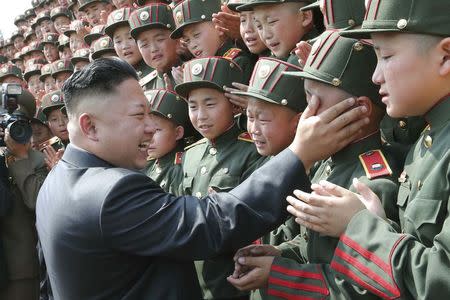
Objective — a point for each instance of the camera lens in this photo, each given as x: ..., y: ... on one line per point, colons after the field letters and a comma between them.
x: 20, y: 131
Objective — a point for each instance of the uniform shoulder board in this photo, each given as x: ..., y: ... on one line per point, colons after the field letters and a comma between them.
x: 245, y: 137
x: 178, y: 157
x: 202, y: 141
x: 232, y: 53
x: 150, y: 158
x: 147, y: 78
x: 375, y: 164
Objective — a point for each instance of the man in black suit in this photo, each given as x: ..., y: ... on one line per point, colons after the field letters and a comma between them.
x: 109, y: 232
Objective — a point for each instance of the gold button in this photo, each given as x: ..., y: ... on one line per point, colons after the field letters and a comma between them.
x: 328, y: 170
x: 419, y: 185
x: 198, y: 195
x: 428, y: 141
x: 402, y: 124
x: 203, y: 170
x: 284, y: 102
x: 212, y: 151
x: 401, y: 24
x: 336, y: 82
x: 358, y: 46
x: 169, y: 116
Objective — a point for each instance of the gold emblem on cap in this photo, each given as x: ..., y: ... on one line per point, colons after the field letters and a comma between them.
x: 401, y: 24
x: 336, y: 82
x: 55, y: 98
x: 179, y: 17
x: 284, y: 102
x: 402, y: 124
x: 358, y: 46
x: 197, y: 69
x: 118, y: 16
x: 169, y: 116
x: 144, y: 16
x: 60, y: 65
x: 103, y: 43
x: 428, y: 141
x: 264, y: 71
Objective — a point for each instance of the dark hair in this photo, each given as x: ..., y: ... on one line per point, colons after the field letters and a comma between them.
x: 100, y: 77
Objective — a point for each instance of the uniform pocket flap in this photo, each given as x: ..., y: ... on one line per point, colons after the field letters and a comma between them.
x: 423, y: 211
x: 403, y: 193
x: 224, y: 182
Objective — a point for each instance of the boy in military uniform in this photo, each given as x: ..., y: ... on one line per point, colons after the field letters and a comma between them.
x: 31, y: 76
x: 118, y: 29
x: 103, y: 47
x: 62, y: 69
x: 49, y: 45
x: 47, y: 78
x: 151, y: 27
x: 64, y: 47
x: 220, y: 161
x: 94, y: 10
x: 61, y: 18
x: 56, y: 120
x: 11, y: 74
x: 80, y: 59
x: 195, y: 28
x: 407, y: 261
x: 169, y: 114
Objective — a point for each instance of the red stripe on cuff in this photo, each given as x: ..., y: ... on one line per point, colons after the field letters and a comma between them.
x: 366, y: 254
x: 297, y: 273
x: 298, y: 286
x: 285, y: 295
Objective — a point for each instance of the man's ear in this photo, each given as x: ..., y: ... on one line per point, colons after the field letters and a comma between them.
x: 307, y: 18
x: 444, y: 50
x: 179, y: 132
x: 86, y: 123
x: 366, y: 102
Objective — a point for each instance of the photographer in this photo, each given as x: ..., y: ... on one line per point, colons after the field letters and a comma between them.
x: 26, y: 172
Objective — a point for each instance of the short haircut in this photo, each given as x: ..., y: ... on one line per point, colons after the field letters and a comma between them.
x: 100, y: 77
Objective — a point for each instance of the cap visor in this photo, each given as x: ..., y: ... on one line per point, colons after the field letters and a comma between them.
x: 364, y: 33
x: 255, y: 95
x: 310, y: 6
x: 183, y: 89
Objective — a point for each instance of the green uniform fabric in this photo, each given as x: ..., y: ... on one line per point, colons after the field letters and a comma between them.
x: 406, y: 263
x: 218, y: 166
x: 243, y: 59
x: 142, y: 69
x: 167, y: 172
x: 155, y: 80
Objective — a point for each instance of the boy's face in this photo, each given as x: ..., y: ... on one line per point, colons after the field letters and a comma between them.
x: 76, y: 42
x: 66, y: 53
x: 326, y: 94
x: 202, y: 39
x: 49, y: 84
x: 60, y: 78
x: 93, y: 12
x: 405, y: 73
x: 57, y: 122
x: 125, y: 46
x: 35, y: 85
x: 51, y: 52
x: 210, y: 112
x: 62, y: 23
x: 271, y: 126
x: 165, y: 138
x: 47, y: 27
x: 41, y: 133
x: 158, y: 50
x: 280, y: 27
x: 249, y: 34
x: 18, y: 42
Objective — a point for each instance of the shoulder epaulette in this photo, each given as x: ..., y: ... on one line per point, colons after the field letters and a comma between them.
x: 147, y: 78
x: 232, y: 53
x: 245, y: 136
x: 178, y: 157
x: 202, y: 141
x: 375, y: 164
x: 150, y: 158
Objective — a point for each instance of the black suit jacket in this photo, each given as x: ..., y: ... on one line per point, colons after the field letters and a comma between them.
x: 113, y: 233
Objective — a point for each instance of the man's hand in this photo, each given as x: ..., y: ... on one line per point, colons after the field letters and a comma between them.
x: 52, y: 157
x: 320, y: 136
x: 329, y: 208
x: 302, y: 51
x: 252, y: 250
x: 258, y: 275
x: 227, y: 22
x: 19, y: 151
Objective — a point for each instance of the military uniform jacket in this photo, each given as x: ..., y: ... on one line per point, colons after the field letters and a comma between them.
x: 378, y: 257
x: 121, y: 236
x: 142, y: 69
x: 244, y: 59
x: 167, y: 172
x: 17, y: 229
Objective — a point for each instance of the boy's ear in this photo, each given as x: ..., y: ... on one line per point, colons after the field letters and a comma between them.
x: 307, y: 17
x: 366, y: 102
x: 86, y: 123
x: 444, y: 50
x: 179, y: 130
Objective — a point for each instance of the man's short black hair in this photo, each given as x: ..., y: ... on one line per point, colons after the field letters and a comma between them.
x: 100, y: 77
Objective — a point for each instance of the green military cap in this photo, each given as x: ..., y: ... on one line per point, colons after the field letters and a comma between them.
x: 169, y: 105
x: 16, y: 58
x: 208, y: 72
x: 233, y: 4
x: 29, y: 13
x: 343, y: 14
x: 117, y: 18
x: 63, y: 41
x: 193, y: 11
x: 19, y: 18
x: 32, y: 69
x: 8, y: 42
x: 409, y: 16
x: 80, y: 55
x: 83, y: 3
x: 344, y: 63
x: 60, y: 11
x: 10, y: 70
x: 152, y: 16
x: 102, y: 46
x: 49, y: 38
x: 35, y: 3
x: 39, y: 117
x: 96, y: 32
x: 27, y: 104
x: 71, y: 3
x: 28, y: 34
x: 252, y: 3
x: 72, y: 28
x: 51, y: 101
x: 142, y: 2
x: 24, y: 51
x: 60, y: 66
x: 270, y: 83
x: 15, y: 34
x: 33, y: 47
x: 46, y: 71
x: 43, y: 15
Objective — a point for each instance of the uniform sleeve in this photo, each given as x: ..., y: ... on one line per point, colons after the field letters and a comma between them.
x: 138, y: 217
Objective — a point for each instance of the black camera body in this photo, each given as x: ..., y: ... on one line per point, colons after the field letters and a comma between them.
x: 12, y: 118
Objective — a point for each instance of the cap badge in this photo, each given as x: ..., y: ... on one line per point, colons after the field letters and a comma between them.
x: 358, y: 46
x: 197, y: 69
x: 179, y: 17
x: 401, y: 24
x: 264, y: 71
x: 103, y: 43
x: 60, y: 65
x: 144, y: 16
x: 118, y: 16
x: 55, y: 98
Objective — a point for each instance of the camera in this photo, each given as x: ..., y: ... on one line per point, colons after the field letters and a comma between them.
x: 13, y: 117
